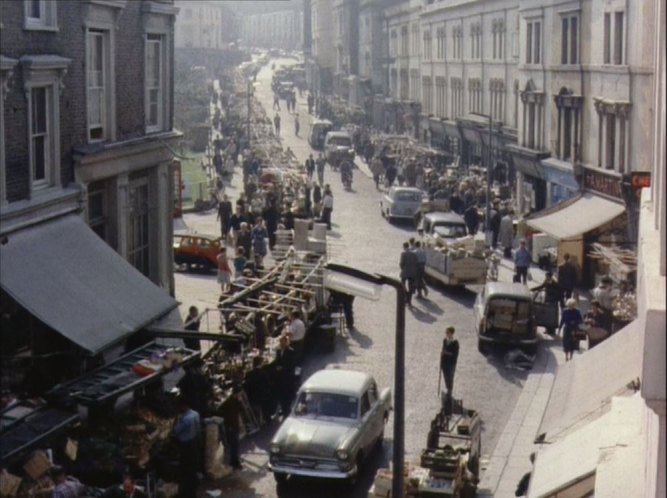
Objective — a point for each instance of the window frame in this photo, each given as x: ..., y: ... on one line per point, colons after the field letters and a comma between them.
x: 570, y: 38
x: 47, y: 20
x: 161, y: 104
x: 107, y: 32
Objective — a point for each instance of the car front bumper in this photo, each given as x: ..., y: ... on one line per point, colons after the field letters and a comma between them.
x: 322, y: 471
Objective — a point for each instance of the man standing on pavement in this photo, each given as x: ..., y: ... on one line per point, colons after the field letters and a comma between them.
x: 327, y: 206
x: 276, y: 123
x: 319, y: 164
x: 285, y: 365
x: 377, y: 168
x: 448, y: 357
x: 506, y: 234
x: 421, y: 270
x: 224, y: 215
x: 522, y: 261
x: 567, y: 277
x: 310, y: 167
x: 297, y: 126
x: 231, y: 415
x: 409, y: 268
x: 471, y: 218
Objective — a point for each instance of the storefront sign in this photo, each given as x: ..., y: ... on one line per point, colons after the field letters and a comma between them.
x: 603, y: 182
x: 640, y: 179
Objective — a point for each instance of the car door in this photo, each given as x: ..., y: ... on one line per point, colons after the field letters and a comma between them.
x: 366, y: 422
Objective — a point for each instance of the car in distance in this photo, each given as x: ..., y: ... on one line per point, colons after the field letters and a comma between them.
x: 197, y: 250
x: 338, y: 146
x: 504, y: 314
x: 337, y: 420
x: 402, y: 203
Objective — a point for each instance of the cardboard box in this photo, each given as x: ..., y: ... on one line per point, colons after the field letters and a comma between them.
x: 38, y: 465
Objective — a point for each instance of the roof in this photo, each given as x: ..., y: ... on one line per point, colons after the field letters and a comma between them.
x: 440, y: 216
x: 564, y: 221
x: 583, y: 387
x: 507, y: 289
x: 65, y: 275
x: 337, y: 381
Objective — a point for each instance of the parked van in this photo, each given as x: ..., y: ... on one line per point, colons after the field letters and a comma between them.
x: 504, y: 314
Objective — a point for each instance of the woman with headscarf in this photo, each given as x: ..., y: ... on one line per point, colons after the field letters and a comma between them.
x: 570, y: 322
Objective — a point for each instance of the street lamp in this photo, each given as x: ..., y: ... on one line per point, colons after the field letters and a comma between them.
x: 356, y: 282
x: 488, y: 170
x: 248, y: 100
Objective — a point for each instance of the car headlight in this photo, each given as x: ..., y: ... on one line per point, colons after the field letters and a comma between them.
x: 342, y: 454
x: 274, y: 448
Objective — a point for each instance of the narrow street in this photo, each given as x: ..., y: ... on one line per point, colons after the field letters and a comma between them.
x: 362, y: 238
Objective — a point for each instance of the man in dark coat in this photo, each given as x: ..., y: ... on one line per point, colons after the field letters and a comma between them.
x: 285, y: 364
x: 310, y: 167
x: 456, y: 203
x: 471, y: 218
x: 567, y: 277
x: 257, y: 387
x: 409, y: 264
x: 553, y: 295
x: 224, y: 215
x: 448, y: 357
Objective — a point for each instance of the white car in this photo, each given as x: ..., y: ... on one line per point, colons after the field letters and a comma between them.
x: 336, y: 422
x: 402, y: 203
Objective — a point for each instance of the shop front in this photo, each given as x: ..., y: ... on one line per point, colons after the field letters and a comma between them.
x: 531, y: 178
x: 440, y: 140
x: 561, y: 183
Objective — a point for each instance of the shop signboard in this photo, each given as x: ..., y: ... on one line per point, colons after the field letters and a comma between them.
x: 607, y: 183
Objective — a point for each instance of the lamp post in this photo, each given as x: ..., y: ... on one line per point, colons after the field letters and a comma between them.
x: 353, y: 281
x: 248, y: 101
x: 488, y: 170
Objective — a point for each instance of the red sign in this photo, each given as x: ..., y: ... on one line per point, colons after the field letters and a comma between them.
x: 602, y: 181
x: 640, y: 179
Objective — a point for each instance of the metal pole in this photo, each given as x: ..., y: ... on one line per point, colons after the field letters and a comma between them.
x: 248, y: 123
x: 399, y: 389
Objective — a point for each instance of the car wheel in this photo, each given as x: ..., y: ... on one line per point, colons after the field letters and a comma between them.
x: 351, y: 482
x: 481, y: 347
x: 280, y: 477
x: 530, y: 350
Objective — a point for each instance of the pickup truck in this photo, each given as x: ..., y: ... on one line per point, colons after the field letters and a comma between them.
x: 452, y: 258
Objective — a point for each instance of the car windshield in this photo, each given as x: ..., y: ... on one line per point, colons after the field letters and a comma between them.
x: 408, y: 196
x: 450, y: 230
x: 313, y: 404
x: 341, y: 141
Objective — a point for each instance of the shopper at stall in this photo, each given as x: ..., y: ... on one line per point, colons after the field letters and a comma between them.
x: 187, y: 433
x: 327, y: 206
x: 231, y: 414
x: 409, y: 266
x: 506, y: 234
x: 552, y: 295
x: 192, y: 323
x: 224, y: 215
x: 449, y: 355
x: 522, y: 262
x: 65, y: 486
x: 224, y: 271
x: 285, y: 378
x: 296, y: 331
x: 471, y: 218
x: 570, y: 323
x: 127, y: 489
x: 603, y: 293
x: 567, y: 277
x: 259, y: 236
x: 195, y: 388
x: 598, y: 317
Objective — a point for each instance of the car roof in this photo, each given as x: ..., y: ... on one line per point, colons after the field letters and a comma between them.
x: 407, y: 189
x: 508, y: 289
x: 442, y: 216
x: 338, y: 134
x: 323, y: 122
x: 198, y: 236
x: 333, y: 380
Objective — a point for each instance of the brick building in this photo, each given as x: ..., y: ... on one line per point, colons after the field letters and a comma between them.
x: 85, y: 172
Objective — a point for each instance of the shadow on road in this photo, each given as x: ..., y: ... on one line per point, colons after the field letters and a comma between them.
x: 421, y: 315
x: 364, y: 341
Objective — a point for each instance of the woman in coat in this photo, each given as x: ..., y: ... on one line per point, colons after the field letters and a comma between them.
x: 259, y: 236
x: 506, y: 234
x: 570, y: 322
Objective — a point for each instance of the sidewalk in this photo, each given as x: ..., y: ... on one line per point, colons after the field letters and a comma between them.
x: 511, y: 457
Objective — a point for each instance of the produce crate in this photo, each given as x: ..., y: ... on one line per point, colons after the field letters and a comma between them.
x: 444, y: 463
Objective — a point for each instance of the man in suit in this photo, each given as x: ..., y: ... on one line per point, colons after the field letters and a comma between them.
x: 409, y: 264
x: 285, y: 364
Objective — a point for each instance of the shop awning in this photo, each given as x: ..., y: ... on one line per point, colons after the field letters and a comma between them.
x: 583, y: 387
x: 574, y: 465
x: 576, y: 216
x: 71, y: 280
